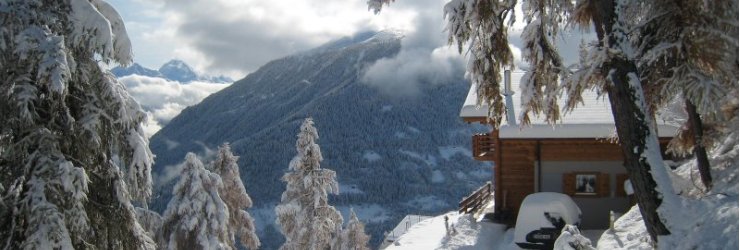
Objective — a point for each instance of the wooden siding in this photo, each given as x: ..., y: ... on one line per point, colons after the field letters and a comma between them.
x: 515, y: 164
x: 515, y: 178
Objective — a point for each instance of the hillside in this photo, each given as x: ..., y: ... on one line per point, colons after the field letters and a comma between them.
x: 393, y: 155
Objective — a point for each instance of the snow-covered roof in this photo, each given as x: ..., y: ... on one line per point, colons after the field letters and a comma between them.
x: 592, y: 119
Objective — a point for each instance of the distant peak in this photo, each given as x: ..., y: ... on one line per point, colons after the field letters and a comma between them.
x: 178, y: 70
x: 176, y: 63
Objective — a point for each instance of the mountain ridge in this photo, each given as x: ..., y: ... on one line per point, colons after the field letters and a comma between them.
x: 173, y: 70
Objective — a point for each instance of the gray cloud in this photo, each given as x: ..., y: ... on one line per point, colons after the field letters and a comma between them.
x: 242, y: 35
x: 233, y: 45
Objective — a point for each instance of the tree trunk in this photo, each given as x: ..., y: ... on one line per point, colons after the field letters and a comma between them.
x: 633, y: 129
x: 702, y: 161
x: 631, y: 120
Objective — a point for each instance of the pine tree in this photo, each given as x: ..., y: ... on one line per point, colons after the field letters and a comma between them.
x: 305, y: 217
x: 241, y: 224
x: 683, y: 52
x: 354, y: 237
x: 196, y: 217
x: 73, y: 155
x: 150, y: 220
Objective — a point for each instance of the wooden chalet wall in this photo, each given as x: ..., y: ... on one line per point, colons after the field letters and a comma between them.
x: 517, y: 158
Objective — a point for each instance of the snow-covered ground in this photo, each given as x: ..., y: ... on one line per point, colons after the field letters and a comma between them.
x: 469, y: 234
x: 705, y: 220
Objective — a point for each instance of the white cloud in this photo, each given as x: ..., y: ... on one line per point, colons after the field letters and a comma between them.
x: 425, y: 57
x: 164, y: 99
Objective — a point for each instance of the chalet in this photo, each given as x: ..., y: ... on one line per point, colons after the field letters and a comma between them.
x: 576, y: 157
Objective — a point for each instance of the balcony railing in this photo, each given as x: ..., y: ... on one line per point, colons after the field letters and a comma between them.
x: 483, y: 147
x: 477, y: 200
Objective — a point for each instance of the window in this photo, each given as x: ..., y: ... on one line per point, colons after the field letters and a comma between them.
x: 586, y: 184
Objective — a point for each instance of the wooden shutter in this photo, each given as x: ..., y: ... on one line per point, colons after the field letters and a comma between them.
x: 603, y: 189
x: 569, y: 184
x: 620, y: 184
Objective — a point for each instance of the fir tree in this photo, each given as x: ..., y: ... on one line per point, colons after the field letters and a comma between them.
x: 305, y: 217
x: 688, y: 52
x: 73, y: 155
x: 150, y: 220
x: 196, y: 217
x: 241, y: 224
x: 354, y: 237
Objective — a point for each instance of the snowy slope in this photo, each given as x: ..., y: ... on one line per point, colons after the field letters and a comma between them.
x: 469, y: 234
x: 705, y: 220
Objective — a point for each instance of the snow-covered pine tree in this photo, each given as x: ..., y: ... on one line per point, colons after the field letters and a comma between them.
x: 150, y: 220
x: 688, y: 50
x: 73, y: 155
x: 354, y: 237
x: 233, y: 193
x: 305, y: 217
x: 196, y: 217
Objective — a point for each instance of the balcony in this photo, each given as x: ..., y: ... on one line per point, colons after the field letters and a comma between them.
x: 483, y: 147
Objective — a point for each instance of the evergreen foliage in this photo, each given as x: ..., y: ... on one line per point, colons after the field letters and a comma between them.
x: 73, y: 156
x: 304, y: 214
x: 353, y: 236
x: 196, y: 217
x: 233, y: 193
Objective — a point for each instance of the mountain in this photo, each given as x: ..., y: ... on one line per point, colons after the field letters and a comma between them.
x: 135, y: 69
x: 393, y: 155
x: 174, y: 70
x: 178, y: 70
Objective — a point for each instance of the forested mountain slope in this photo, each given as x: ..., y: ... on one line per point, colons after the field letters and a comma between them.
x: 394, y: 155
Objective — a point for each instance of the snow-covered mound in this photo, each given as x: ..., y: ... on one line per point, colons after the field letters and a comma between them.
x: 707, y: 220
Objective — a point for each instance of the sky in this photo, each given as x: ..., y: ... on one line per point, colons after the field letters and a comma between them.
x: 235, y: 37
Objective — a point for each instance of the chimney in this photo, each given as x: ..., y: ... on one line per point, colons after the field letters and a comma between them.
x: 510, y: 117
